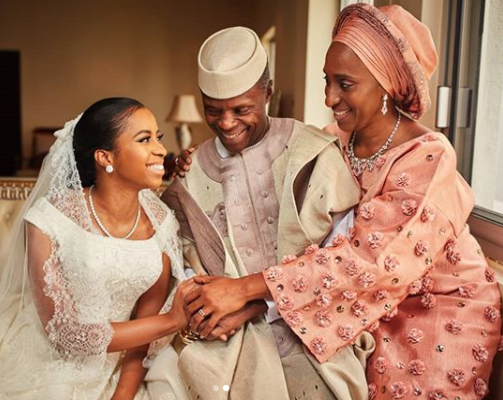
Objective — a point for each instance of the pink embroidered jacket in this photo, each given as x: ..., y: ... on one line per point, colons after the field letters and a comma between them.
x: 411, y: 273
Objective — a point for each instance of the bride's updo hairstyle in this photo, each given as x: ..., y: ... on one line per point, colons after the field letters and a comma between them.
x: 97, y: 129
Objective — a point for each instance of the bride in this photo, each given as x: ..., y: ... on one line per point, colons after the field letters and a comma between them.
x: 89, y: 264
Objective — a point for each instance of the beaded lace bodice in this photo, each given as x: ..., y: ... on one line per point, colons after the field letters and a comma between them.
x: 118, y: 271
x: 89, y: 282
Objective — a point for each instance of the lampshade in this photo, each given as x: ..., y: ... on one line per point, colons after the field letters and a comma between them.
x: 184, y: 110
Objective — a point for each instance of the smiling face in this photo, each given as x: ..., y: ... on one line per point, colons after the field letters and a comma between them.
x: 139, y: 154
x: 239, y: 122
x: 351, y: 91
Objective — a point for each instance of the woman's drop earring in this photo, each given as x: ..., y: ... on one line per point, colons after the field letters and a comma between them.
x: 384, y: 108
x: 109, y: 168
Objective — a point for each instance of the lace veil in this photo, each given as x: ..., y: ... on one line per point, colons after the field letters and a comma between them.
x: 59, y: 181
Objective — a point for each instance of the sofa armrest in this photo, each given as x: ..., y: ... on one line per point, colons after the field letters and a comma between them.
x: 13, y: 193
x: 16, y: 188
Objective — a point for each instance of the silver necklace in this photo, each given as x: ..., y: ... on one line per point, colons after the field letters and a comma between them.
x: 100, y: 224
x: 358, y: 165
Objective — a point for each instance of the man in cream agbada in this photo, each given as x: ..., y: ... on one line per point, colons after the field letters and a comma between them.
x: 261, y: 189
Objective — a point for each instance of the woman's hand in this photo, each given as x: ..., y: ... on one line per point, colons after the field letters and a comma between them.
x: 183, y: 161
x: 178, y: 309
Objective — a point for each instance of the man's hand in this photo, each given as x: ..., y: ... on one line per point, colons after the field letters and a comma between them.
x: 228, y: 325
x: 183, y: 161
x: 216, y: 298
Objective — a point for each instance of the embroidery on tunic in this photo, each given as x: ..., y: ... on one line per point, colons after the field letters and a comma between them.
x: 219, y: 218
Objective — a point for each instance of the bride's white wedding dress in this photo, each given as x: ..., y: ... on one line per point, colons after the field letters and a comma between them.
x: 87, y: 282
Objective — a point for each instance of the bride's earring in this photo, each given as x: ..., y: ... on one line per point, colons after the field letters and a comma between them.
x: 109, y: 168
x: 384, y: 108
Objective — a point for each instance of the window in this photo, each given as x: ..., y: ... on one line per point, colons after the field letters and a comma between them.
x: 487, y: 166
x: 472, y: 69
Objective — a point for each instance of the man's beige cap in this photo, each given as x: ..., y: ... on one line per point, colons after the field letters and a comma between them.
x: 230, y: 62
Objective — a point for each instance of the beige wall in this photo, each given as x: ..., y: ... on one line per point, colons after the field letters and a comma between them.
x: 432, y: 14
x: 321, y: 18
x: 74, y: 53
x: 290, y: 19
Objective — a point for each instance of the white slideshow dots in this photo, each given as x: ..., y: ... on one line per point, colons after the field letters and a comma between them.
x: 225, y: 388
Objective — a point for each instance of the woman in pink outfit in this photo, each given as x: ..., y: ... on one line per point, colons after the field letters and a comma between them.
x: 410, y: 272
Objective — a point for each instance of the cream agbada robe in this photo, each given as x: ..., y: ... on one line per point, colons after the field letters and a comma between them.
x: 238, y: 215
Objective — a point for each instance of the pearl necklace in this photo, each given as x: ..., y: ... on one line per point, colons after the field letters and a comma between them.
x: 100, y: 224
x: 358, y: 165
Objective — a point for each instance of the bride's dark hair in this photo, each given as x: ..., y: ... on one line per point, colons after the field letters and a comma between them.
x: 97, y: 129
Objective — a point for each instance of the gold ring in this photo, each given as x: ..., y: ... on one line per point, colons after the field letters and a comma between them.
x: 201, y: 313
x: 188, y: 336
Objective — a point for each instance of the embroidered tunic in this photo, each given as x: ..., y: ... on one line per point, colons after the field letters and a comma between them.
x: 411, y: 273
x: 241, y: 214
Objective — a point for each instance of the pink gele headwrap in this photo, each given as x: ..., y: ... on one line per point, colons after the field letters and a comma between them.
x: 396, y: 48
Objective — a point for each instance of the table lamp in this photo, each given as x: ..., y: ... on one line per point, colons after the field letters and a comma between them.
x: 183, y: 112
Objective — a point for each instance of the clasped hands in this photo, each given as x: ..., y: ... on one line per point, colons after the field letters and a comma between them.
x: 217, y: 307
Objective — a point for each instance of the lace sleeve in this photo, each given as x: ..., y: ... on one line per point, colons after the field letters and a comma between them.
x: 171, y: 245
x: 168, y: 236
x: 74, y: 337
x: 168, y: 231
